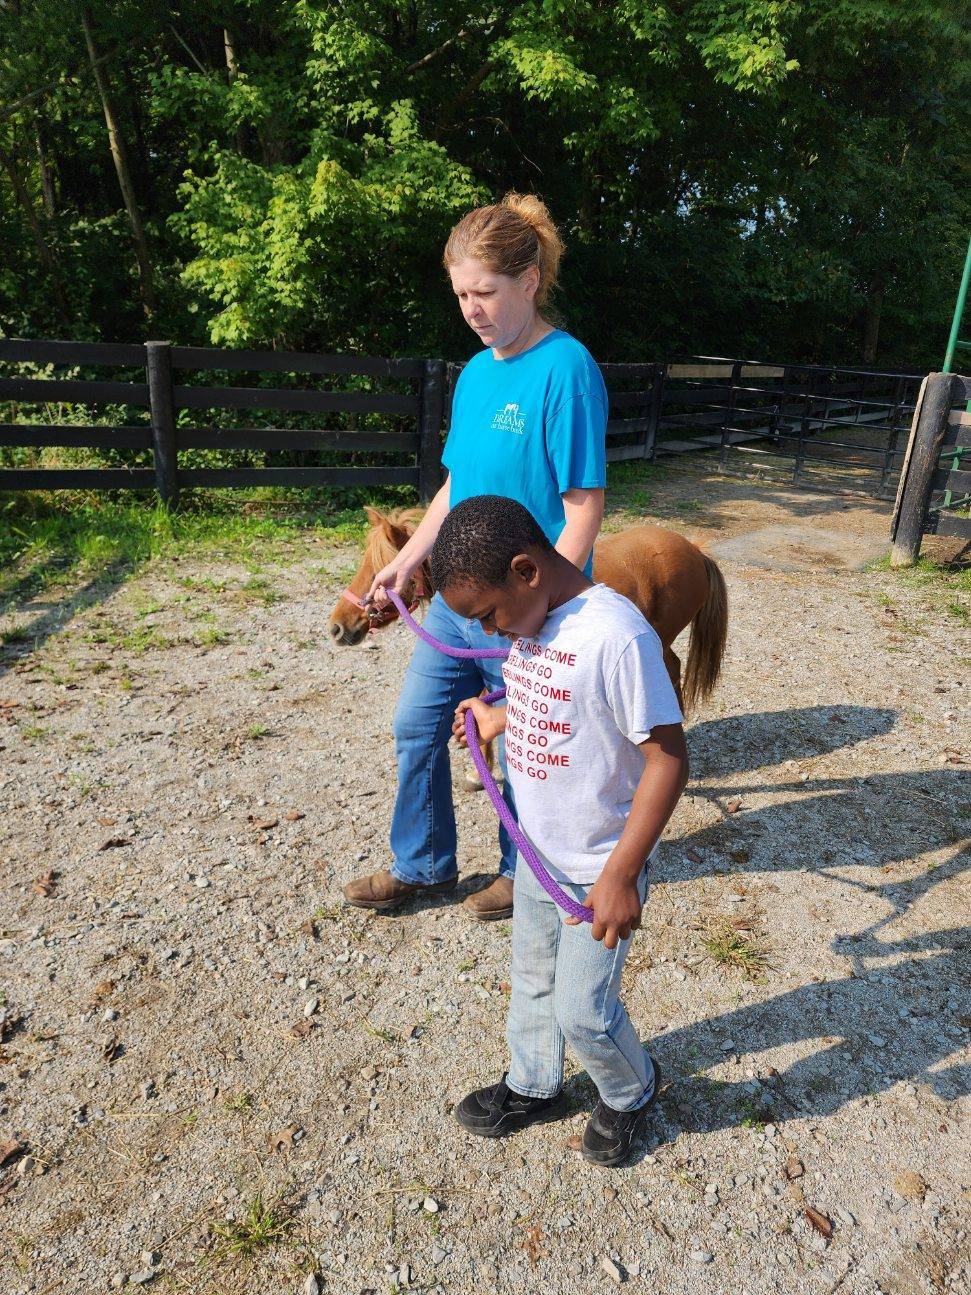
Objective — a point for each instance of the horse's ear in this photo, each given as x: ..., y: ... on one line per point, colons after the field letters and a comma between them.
x: 373, y: 516
x: 397, y: 535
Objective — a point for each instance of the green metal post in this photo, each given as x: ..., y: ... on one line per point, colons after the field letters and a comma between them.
x: 954, y: 340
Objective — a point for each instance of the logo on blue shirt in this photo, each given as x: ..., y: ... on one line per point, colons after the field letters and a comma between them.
x: 509, y: 420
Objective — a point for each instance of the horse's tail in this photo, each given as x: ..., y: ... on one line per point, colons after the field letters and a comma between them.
x: 708, y: 633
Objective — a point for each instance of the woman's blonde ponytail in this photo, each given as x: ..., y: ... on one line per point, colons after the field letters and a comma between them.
x: 509, y: 237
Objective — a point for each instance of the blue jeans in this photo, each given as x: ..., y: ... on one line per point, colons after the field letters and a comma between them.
x: 565, y: 988
x: 423, y: 823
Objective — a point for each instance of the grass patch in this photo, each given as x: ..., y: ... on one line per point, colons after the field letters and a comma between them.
x: 47, y: 539
x: 386, y: 1036
x: 259, y: 590
x: 262, y: 1224
x: 256, y: 731
x: 211, y: 637
x: 628, y: 485
x: 147, y: 607
x: 751, y: 1114
x: 208, y: 583
x: 731, y: 945
x: 19, y: 635
x: 240, y: 1103
x: 34, y: 732
x: 143, y: 638
x: 330, y: 913
x: 947, y: 586
x: 80, y: 786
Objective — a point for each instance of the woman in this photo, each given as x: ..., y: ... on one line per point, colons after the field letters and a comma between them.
x: 529, y: 418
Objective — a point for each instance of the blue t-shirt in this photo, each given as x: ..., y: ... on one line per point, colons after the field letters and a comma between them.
x: 530, y: 428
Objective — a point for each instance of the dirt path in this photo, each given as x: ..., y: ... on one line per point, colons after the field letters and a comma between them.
x: 203, y: 1053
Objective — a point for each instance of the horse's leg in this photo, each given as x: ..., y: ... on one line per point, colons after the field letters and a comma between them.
x: 672, y: 664
x: 472, y: 780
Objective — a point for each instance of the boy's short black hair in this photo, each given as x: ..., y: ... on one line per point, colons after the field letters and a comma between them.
x: 480, y: 537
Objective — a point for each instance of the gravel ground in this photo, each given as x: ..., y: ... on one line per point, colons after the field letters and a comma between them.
x: 223, y: 1081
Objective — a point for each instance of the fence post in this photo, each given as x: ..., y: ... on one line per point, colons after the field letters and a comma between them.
x: 779, y: 409
x: 729, y: 411
x: 654, y: 411
x: 893, y: 422
x: 161, y: 404
x: 430, y: 429
x: 808, y: 409
x: 923, y: 452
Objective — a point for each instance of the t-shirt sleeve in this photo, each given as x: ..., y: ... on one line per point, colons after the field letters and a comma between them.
x: 640, y: 692
x: 576, y: 434
x: 451, y: 439
x: 447, y: 451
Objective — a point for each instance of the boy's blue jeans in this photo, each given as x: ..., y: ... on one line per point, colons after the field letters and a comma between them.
x: 565, y: 987
x: 423, y: 823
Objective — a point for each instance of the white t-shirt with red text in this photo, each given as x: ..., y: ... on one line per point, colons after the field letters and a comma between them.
x: 580, y: 696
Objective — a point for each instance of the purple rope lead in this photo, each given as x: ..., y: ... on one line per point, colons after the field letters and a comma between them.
x: 523, y: 843
x: 464, y: 654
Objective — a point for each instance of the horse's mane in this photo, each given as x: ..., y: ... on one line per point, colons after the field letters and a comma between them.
x: 381, y: 548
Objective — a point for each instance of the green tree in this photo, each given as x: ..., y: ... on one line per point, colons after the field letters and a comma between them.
x: 780, y: 178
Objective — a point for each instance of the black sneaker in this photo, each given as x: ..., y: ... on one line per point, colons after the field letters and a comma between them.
x: 610, y: 1135
x: 497, y: 1111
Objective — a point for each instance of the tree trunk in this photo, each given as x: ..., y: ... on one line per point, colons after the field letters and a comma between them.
x: 871, y: 321
x: 232, y: 71
x: 142, y: 168
x: 47, y: 257
x: 120, y: 159
x: 232, y: 67
x: 46, y: 179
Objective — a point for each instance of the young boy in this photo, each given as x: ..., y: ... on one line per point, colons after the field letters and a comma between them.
x: 596, y: 755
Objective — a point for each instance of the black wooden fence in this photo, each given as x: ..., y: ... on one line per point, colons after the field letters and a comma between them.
x: 839, y: 427
x: 167, y: 390
x: 934, y: 494
x: 850, y: 421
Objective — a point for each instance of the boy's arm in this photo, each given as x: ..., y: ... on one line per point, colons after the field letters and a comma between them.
x: 613, y: 896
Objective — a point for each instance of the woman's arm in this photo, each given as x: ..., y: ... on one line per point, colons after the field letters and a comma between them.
x: 397, y: 573
x: 584, y: 510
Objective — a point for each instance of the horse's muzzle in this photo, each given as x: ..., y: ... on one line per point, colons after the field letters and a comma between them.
x: 347, y: 635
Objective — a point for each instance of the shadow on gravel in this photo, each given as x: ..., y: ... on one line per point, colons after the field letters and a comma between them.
x: 880, y: 1025
x: 861, y: 1035
x: 54, y: 613
x: 824, y: 826
x: 834, y: 827
x: 691, y: 489
x: 739, y: 743
x: 831, y: 827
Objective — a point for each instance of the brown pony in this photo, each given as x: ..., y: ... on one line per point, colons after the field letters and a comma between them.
x: 666, y: 576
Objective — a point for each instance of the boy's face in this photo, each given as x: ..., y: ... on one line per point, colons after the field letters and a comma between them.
x: 515, y: 609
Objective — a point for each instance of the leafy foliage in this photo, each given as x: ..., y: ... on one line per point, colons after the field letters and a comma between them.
x: 780, y: 178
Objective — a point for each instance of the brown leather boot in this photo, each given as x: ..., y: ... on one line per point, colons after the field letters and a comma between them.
x: 493, y: 903
x: 383, y: 891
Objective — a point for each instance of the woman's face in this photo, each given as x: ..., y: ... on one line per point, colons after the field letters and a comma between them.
x: 497, y: 307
